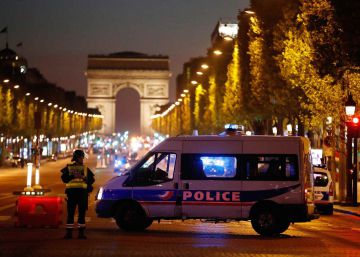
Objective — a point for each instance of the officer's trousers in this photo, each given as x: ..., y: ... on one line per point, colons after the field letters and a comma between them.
x: 76, y: 197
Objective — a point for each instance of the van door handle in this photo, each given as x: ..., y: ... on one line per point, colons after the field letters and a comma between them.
x: 176, y: 185
x: 186, y: 185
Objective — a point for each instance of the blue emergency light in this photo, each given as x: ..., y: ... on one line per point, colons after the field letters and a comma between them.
x: 231, y: 126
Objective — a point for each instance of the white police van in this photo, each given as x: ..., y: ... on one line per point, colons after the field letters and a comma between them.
x: 323, y: 191
x: 265, y: 179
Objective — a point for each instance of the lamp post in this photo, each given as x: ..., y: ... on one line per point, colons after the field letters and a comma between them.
x: 350, y: 106
x: 37, y: 156
x: 352, y: 123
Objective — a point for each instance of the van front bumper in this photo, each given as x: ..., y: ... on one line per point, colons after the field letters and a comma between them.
x: 105, y: 208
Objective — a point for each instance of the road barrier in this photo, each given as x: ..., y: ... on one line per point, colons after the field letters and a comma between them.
x: 38, y: 211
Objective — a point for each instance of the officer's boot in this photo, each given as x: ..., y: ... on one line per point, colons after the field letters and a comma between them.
x: 68, y: 234
x: 82, y: 233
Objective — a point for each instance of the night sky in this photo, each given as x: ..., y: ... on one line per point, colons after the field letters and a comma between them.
x: 58, y: 35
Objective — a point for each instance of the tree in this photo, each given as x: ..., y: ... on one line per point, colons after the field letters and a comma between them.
x: 231, y: 106
x: 21, y: 112
x: 211, y: 112
x: 185, y: 116
x: 318, y: 17
x: 30, y: 120
x: 319, y: 96
x: 260, y: 80
x: 199, y: 92
x: 2, y: 110
x: 8, y: 110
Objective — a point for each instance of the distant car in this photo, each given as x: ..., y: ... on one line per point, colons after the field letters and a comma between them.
x: 133, y: 158
x: 54, y: 157
x: 15, y: 161
x: 324, y: 190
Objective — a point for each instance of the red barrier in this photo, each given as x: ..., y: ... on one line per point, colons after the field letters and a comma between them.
x: 38, y: 211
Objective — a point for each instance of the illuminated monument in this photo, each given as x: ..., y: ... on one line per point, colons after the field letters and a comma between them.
x: 108, y: 74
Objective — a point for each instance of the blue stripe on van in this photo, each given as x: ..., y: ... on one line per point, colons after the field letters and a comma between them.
x: 117, y: 194
x: 256, y: 195
x: 155, y: 195
x: 195, y: 195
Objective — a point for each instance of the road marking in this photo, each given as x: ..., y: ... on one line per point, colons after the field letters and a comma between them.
x: 6, y: 196
x: 7, y: 206
x: 5, y: 218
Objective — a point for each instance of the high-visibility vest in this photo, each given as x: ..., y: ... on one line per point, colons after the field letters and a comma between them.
x: 77, y: 171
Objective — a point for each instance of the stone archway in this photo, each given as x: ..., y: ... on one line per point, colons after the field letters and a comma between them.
x: 108, y: 74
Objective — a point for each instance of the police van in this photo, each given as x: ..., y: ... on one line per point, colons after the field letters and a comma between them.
x: 323, y: 191
x: 265, y: 179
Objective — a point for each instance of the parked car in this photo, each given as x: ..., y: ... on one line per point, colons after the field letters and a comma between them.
x: 324, y: 190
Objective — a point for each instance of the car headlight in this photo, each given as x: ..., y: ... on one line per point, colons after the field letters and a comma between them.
x: 100, y: 193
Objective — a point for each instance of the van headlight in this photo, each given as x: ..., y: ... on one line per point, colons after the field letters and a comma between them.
x: 100, y: 193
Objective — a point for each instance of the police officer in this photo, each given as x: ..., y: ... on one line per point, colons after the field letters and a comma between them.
x: 78, y: 179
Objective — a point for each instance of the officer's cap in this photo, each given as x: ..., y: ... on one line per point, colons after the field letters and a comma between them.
x: 78, y: 153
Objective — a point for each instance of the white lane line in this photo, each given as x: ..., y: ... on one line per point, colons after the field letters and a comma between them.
x: 7, y: 206
x: 7, y: 196
x: 5, y: 218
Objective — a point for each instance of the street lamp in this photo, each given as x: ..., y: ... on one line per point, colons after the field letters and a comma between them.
x: 217, y: 52
x: 350, y: 106
x: 351, y: 158
x: 204, y: 66
x: 249, y: 11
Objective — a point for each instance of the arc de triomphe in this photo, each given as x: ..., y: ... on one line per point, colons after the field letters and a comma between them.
x: 108, y: 74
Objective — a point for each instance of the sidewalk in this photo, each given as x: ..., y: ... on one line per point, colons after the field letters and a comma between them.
x: 352, y: 210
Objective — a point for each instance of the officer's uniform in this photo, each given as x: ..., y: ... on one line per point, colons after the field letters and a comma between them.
x: 79, y: 180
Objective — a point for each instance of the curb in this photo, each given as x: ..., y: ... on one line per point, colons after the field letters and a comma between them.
x: 347, y: 212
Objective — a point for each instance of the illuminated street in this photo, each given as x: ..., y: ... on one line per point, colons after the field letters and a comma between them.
x: 336, y: 235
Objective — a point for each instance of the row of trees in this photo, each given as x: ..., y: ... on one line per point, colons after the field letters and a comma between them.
x: 32, y: 108
x: 17, y: 117
x: 294, y: 64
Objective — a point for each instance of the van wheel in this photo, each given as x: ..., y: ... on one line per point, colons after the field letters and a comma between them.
x: 267, y: 222
x: 283, y: 226
x: 131, y: 217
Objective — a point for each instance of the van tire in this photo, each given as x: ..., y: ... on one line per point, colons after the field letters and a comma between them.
x: 131, y: 217
x: 283, y: 226
x: 266, y: 221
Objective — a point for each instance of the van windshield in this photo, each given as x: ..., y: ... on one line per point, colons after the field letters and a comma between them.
x: 154, y: 168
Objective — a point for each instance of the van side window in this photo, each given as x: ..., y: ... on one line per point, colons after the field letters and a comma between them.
x: 271, y: 167
x: 196, y: 167
x: 157, y: 168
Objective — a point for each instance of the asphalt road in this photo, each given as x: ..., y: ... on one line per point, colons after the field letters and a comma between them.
x: 336, y: 235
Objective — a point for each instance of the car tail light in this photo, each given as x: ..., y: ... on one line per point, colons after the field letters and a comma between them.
x: 331, y: 189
